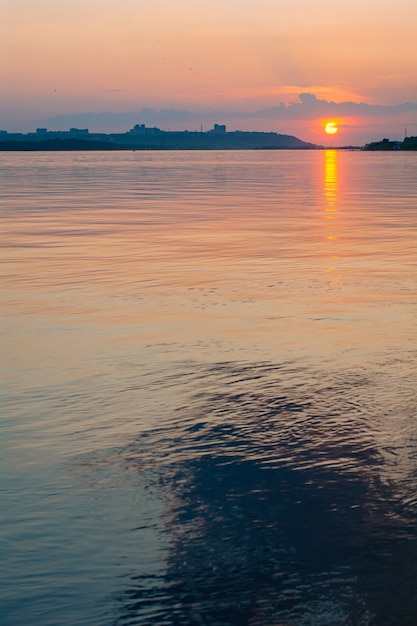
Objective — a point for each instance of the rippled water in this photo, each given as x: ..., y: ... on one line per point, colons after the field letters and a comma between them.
x: 209, y: 374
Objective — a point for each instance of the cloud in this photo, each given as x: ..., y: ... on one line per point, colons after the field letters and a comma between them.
x: 109, y: 120
x: 308, y: 107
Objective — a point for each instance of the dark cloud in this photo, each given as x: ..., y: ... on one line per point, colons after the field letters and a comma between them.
x: 308, y: 107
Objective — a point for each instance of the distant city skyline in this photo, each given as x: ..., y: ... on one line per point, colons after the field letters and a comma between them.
x: 358, y: 121
x: 253, y: 66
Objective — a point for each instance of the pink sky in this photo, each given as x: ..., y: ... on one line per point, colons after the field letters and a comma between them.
x: 70, y: 57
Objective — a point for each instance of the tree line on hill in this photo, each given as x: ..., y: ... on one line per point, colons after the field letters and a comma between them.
x: 409, y: 143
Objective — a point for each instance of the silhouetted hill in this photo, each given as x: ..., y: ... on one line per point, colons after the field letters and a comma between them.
x: 57, y: 145
x: 409, y: 143
x: 143, y: 138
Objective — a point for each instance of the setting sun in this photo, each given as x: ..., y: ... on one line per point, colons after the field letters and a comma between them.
x: 331, y: 128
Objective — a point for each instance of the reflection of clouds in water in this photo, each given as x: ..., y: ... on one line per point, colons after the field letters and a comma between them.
x: 277, y: 507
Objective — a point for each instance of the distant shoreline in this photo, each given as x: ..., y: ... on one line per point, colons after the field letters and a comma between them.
x: 181, y: 141
x: 141, y: 137
x: 88, y: 146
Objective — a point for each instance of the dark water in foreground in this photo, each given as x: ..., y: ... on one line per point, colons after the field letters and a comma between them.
x: 209, y: 372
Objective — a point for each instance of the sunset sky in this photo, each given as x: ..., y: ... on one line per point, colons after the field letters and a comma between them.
x: 224, y: 61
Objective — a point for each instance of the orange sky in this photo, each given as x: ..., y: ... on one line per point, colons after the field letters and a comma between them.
x: 72, y: 56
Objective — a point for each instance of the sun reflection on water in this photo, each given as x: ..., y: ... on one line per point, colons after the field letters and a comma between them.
x: 330, y: 179
x: 330, y: 188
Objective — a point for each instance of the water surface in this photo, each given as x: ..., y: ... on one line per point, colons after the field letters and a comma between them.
x: 209, y: 374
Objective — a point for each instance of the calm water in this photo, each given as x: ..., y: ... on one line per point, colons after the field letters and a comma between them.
x: 209, y: 389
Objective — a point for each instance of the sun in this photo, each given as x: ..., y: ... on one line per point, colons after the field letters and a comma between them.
x: 331, y: 128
